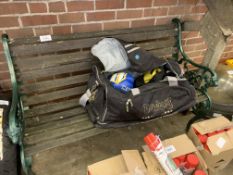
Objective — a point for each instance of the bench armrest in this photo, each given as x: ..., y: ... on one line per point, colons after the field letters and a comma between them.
x: 206, y: 77
x: 201, y: 78
x: 14, y: 128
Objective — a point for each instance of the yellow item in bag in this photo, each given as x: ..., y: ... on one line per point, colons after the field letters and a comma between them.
x: 149, y: 75
x: 229, y: 62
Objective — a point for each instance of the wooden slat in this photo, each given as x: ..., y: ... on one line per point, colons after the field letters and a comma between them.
x: 162, y: 52
x: 42, y: 48
x: 42, y: 62
x: 33, y: 40
x: 42, y: 98
x: 47, y: 85
x: 46, y: 127
x: 38, y: 120
x: 34, y: 74
x: 60, y: 132
x: 51, y: 107
x: 157, y: 44
x: 28, y: 75
x: 30, y: 150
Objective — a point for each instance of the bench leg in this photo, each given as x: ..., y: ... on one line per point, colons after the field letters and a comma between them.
x: 203, y: 108
x: 26, y: 162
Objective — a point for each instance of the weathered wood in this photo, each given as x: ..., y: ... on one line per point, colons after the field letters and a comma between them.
x: 42, y: 62
x: 29, y: 75
x: 51, y: 108
x: 50, y: 47
x: 33, y: 40
x: 42, y: 98
x: 30, y: 150
x: 157, y: 44
x: 47, y: 85
x: 59, y: 132
x: 46, y: 127
x: 38, y: 120
x: 163, y: 52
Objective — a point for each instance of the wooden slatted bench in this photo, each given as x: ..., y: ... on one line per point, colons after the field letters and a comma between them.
x: 49, y: 77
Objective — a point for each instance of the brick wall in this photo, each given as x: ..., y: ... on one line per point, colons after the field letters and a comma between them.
x: 32, y: 18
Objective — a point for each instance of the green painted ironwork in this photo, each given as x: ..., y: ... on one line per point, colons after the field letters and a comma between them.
x: 201, y: 78
x: 26, y: 162
x: 15, y: 129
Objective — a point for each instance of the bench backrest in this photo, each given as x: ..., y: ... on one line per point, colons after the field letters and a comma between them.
x: 53, y: 74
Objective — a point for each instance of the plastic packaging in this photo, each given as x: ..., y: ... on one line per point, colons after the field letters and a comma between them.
x: 122, y: 81
x: 192, y: 162
x: 155, y: 145
x: 199, y: 172
x: 177, y: 162
x: 182, y: 158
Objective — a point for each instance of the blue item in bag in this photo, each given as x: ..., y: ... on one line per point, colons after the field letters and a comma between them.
x: 122, y: 81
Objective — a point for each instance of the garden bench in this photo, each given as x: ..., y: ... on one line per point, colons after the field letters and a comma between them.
x: 49, y: 77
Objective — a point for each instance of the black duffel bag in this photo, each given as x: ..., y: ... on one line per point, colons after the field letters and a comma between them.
x: 108, y: 107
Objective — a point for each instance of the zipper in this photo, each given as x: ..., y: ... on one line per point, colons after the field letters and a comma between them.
x: 106, y: 94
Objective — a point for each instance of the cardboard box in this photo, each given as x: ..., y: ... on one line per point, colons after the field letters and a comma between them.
x: 182, y: 145
x: 220, y: 145
x: 128, y: 163
x: 175, y: 147
x: 116, y: 166
x: 152, y: 164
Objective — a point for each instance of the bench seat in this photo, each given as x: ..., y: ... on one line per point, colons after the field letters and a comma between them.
x: 52, y: 76
x: 49, y: 77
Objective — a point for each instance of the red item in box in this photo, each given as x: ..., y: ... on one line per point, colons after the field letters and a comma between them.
x: 203, y: 138
x: 177, y: 162
x: 199, y: 172
x: 192, y: 161
x: 152, y: 141
x: 182, y: 158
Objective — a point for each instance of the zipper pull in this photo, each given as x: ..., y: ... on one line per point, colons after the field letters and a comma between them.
x: 129, y: 102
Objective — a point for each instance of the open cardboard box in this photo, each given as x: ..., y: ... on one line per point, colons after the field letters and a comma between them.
x: 178, y: 146
x: 131, y: 163
x: 128, y: 163
x: 182, y: 145
x: 220, y: 145
x: 152, y: 164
